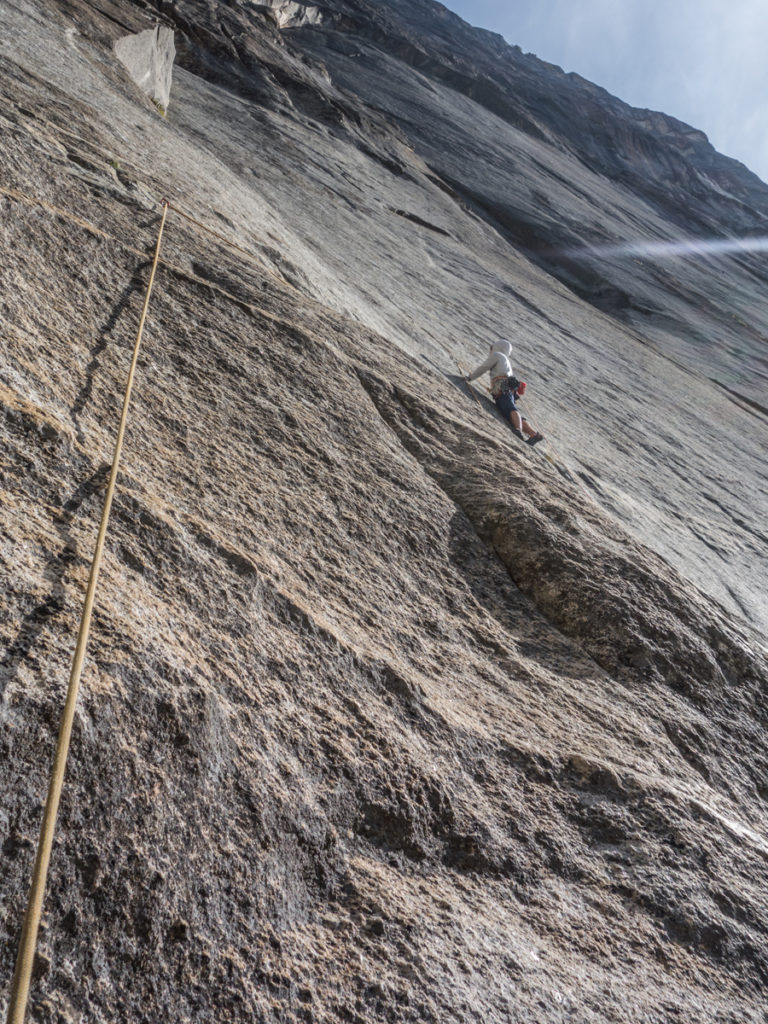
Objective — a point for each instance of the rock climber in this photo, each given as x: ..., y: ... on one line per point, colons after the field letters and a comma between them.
x: 505, y: 389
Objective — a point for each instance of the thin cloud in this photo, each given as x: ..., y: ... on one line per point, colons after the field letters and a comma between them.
x: 686, y: 247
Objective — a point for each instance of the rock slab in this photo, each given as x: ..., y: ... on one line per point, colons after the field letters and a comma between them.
x: 149, y: 56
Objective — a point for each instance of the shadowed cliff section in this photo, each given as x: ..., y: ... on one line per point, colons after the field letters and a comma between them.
x: 683, y: 188
x: 651, y: 152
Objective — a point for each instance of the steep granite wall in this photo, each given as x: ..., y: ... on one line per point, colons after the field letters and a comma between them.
x: 385, y: 717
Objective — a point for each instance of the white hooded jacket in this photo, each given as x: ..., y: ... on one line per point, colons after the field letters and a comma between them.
x: 497, y: 364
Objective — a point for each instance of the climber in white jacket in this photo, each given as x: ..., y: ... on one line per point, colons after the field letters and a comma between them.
x: 506, y: 389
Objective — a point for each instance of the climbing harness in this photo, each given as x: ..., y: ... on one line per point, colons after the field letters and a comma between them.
x: 28, y: 943
x: 504, y: 385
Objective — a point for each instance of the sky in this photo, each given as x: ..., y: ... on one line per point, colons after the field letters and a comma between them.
x: 704, y: 62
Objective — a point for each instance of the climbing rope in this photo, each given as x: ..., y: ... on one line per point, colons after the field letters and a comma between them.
x: 20, y: 984
x: 28, y: 942
x: 222, y: 238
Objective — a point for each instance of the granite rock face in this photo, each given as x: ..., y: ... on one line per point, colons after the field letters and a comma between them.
x: 561, y: 169
x: 385, y: 716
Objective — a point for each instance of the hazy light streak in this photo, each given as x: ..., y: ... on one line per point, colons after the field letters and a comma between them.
x: 671, y: 250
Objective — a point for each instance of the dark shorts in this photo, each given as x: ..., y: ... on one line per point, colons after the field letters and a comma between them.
x: 506, y: 403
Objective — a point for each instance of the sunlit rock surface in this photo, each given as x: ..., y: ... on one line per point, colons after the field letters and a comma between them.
x: 148, y: 57
x: 385, y: 716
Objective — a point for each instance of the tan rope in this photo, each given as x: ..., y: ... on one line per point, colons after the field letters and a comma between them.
x: 217, y: 234
x: 255, y: 260
x: 28, y: 943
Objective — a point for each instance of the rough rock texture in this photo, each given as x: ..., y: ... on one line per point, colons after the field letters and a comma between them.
x: 148, y: 56
x: 385, y: 716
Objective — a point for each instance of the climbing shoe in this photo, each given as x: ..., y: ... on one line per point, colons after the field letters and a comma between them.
x: 518, y: 433
x: 535, y: 439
